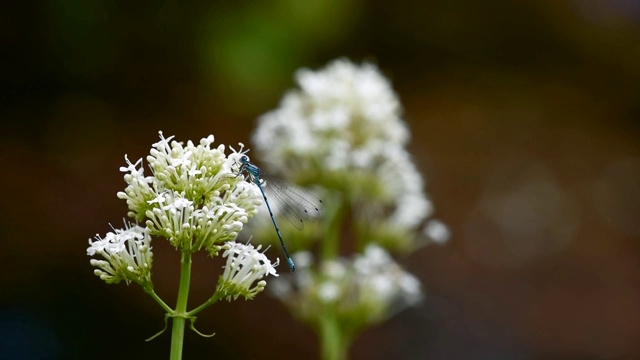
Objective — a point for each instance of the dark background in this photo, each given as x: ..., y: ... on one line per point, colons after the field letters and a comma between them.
x: 525, y: 121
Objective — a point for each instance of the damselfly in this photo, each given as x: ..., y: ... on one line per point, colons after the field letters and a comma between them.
x: 295, y: 204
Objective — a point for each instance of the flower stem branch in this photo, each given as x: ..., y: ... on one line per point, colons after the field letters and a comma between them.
x: 179, y: 318
x: 149, y: 290
x: 212, y: 300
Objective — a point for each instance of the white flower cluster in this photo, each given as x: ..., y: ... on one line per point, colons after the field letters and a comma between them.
x: 345, y: 115
x: 194, y: 197
x: 342, y: 129
x: 245, y: 265
x: 127, y: 254
x: 365, y: 290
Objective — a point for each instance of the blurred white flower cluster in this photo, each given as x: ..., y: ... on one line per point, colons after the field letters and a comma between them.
x: 344, y: 116
x: 342, y: 130
x: 365, y: 290
x: 194, y: 199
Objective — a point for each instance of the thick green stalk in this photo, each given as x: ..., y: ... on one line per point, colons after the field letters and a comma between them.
x: 330, y: 246
x: 179, y: 318
x: 334, y: 343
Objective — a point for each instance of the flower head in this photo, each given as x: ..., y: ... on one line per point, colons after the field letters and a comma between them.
x: 245, y: 265
x: 365, y: 290
x: 342, y: 130
x: 384, y: 286
x: 194, y: 197
x: 127, y: 254
x: 338, y: 116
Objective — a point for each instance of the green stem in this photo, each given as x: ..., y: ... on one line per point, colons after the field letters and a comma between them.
x: 330, y: 246
x: 334, y: 343
x: 179, y: 318
x: 157, y: 298
x: 208, y: 303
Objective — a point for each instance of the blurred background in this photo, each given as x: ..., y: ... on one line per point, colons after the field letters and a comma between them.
x: 525, y: 123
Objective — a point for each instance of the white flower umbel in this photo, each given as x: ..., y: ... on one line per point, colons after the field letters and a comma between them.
x: 342, y: 129
x: 245, y: 265
x: 196, y: 200
x: 363, y: 291
x: 336, y: 114
x: 127, y: 254
x: 194, y: 197
x: 384, y: 287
